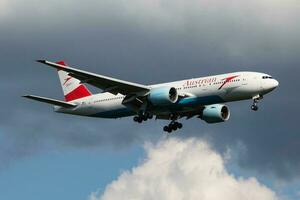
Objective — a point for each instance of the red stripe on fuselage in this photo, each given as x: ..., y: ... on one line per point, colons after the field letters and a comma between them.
x: 226, y: 80
x: 78, y: 93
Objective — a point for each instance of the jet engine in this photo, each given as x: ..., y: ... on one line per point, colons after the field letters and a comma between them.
x: 163, y: 96
x: 215, y: 113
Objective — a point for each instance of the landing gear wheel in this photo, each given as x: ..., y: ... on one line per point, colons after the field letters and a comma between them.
x: 174, y: 127
x: 140, y: 120
x: 166, y: 128
x: 144, y: 117
x: 150, y: 116
x: 179, y: 125
x: 254, y: 107
x: 136, y: 118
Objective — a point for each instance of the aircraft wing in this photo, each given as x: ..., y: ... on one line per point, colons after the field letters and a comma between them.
x: 107, y: 84
x: 51, y: 101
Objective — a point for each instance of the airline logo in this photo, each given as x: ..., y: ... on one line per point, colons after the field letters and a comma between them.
x: 200, y: 81
x: 227, y: 80
x: 210, y: 80
x: 67, y: 79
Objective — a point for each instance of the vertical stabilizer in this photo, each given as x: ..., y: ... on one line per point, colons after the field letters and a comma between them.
x: 72, y: 88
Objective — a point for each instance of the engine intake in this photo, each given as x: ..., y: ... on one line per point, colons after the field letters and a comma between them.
x: 163, y: 96
x: 215, y: 113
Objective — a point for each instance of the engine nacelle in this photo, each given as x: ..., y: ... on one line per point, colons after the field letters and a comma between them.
x: 163, y: 96
x: 215, y: 113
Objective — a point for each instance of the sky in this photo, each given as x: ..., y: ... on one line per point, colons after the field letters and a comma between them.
x: 50, y: 155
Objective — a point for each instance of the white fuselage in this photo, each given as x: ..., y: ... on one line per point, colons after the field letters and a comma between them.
x: 195, y: 92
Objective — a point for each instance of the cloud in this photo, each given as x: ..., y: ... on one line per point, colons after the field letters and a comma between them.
x: 183, y: 169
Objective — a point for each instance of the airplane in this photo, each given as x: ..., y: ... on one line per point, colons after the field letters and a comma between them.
x: 202, y: 97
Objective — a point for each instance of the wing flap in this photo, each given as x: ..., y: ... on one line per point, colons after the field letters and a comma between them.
x: 105, y: 83
x: 51, y: 101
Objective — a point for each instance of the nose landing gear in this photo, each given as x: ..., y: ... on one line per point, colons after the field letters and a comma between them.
x: 254, y: 106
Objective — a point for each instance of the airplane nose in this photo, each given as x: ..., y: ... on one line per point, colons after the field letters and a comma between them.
x: 275, y: 83
x: 269, y: 85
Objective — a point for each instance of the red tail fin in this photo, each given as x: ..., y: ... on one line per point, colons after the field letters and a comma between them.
x: 73, y: 89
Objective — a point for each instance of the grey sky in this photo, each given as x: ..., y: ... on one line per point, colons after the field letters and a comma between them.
x: 148, y: 42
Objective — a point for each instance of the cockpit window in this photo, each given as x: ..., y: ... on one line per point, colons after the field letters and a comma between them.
x: 267, y: 77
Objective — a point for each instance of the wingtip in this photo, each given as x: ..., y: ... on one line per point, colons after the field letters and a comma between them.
x: 41, y: 61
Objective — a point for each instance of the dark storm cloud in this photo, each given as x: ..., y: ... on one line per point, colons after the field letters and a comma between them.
x: 148, y: 42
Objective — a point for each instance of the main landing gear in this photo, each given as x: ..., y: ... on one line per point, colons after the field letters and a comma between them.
x: 173, y: 126
x: 254, y: 106
x: 143, y: 117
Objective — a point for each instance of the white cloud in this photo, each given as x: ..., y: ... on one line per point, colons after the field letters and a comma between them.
x: 183, y: 169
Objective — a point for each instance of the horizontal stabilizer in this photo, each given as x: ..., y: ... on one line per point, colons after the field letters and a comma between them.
x: 51, y: 101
